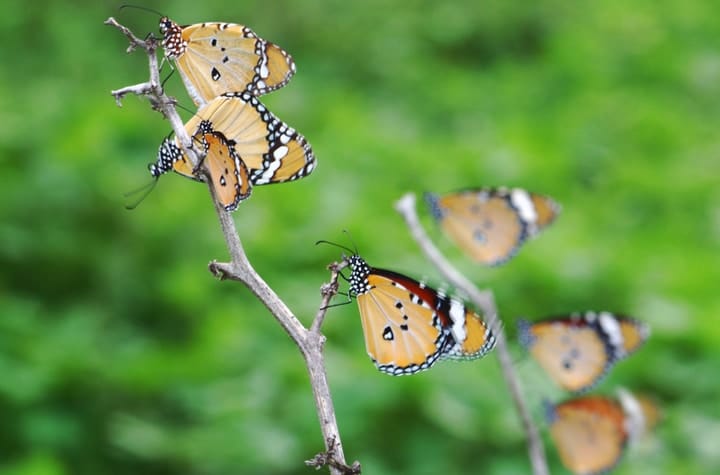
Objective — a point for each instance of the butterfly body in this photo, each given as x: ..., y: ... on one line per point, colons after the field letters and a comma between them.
x: 578, y: 350
x: 490, y: 224
x: 216, y: 58
x: 409, y: 326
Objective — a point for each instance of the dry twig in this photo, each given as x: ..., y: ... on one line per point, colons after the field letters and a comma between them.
x: 484, y: 300
x: 310, y: 342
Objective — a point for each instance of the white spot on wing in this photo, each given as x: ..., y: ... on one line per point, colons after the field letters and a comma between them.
x: 280, y: 152
x: 611, y: 327
x: 521, y: 200
x: 457, y: 315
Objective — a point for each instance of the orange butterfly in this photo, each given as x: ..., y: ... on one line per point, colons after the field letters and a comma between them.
x: 271, y: 151
x: 592, y: 432
x: 409, y: 326
x: 578, y: 350
x: 490, y: 224
x: 589, y: 433
x: 217, y: 58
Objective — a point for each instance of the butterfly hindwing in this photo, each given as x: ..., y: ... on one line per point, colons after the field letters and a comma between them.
x: 216, y: 58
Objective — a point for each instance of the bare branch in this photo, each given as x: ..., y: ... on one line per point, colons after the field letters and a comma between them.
x: 485, y: 301
x: 239, y: 268
x: 328, y: 291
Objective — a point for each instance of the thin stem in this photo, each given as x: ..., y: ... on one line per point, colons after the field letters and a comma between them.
x: 484, y: 300
x: 239, y: 268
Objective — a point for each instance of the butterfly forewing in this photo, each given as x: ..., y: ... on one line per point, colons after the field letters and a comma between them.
x: 216, y: 58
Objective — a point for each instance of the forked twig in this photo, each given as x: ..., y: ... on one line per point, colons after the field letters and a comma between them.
x: 310, y: 342
x: 484, y: 300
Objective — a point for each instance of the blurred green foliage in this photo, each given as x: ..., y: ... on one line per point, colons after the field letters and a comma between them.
x: 120, y: 354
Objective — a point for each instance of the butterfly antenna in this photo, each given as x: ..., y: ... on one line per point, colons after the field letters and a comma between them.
x: 138, y: 7
x: 352, y: 241
x: 143, y: 191
x: 345, y: 248
x: 172, y: 71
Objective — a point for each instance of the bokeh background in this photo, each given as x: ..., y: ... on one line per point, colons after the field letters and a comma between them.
x: 121, y: 354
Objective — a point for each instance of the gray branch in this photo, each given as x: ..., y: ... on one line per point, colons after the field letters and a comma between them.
x: 310, y: 342
x: 484, y: 300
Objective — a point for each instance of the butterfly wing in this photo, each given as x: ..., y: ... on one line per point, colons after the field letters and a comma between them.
x: 230, y: 176
x: 572, y: 353
x: 216, y: 58
x: 471, y: 337
x: 588, y: 433
x: 403, y: 333
x: 272, y: 151
x: 490, y: 225
x: 634, y: 334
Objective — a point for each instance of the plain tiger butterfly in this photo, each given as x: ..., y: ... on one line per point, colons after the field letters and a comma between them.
x: 408, y: 326
x: 271, y: 151
x: 490, y: 224
x: 217, y: 58
x: 578, y: 350
x: 228, y: 173
x: 590, y: 433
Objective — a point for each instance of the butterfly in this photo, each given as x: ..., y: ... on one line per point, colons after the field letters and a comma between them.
x: 217, y: 58
x: 490, y: 224
x: 589, y: 432
x: 230, y: 176
x: 408, y: 326
x: 577, y: 351
x: 592, y: 432
x: 270, y: 150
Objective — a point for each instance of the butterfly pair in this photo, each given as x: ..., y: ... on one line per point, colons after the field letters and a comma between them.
x: 491, y: 224
x: 409, y: 326
x: 592, y: 432
x: 577, y: 351
x: 224, y: 67
x: 244, y: 145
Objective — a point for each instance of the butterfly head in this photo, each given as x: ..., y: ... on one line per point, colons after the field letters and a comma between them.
x: 173, y: 42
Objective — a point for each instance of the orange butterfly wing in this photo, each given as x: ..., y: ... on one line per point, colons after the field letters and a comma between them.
x: 217, y: 58
x: 470, y: 333
x: 230, y: 176
x: 403, y: 333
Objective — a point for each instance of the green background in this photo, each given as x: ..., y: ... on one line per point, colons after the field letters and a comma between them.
x: 120, y: 353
